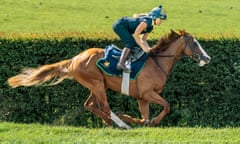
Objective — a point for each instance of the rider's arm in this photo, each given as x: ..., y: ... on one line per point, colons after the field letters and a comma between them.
x: 144, y: 40
x: 141, y: 41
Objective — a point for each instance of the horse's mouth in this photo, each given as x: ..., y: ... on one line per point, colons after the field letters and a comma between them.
x: 203, y: 61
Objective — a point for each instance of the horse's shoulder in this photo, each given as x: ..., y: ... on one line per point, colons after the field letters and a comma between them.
x: 94, y: 51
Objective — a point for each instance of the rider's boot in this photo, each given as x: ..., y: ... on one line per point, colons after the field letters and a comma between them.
x: 121, y: 64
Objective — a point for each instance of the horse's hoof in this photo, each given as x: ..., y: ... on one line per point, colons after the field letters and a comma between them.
x: 125, y: 127
x: 152, y: 123
x: 119, y: 113
x: 146, y: 123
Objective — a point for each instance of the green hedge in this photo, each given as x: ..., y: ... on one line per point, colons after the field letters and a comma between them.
x: 207, y: 96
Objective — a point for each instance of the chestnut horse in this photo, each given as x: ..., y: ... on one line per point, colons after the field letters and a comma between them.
x: 146, y: 88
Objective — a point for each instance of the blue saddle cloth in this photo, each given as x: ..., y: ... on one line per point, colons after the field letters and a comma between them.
x: 109, y: 62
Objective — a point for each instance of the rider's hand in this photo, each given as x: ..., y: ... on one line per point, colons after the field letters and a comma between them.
x: 147, y: 50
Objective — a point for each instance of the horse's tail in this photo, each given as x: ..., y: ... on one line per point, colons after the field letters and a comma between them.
x: 54, y: 73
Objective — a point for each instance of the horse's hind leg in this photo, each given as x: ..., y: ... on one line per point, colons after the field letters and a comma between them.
x: 144, y: 109
x: 92, y: 105
x: 97, y: 104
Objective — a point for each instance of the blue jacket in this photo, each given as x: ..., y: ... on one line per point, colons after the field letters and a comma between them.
x: 132, y: 23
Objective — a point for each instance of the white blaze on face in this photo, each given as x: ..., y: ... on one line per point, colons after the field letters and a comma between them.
x: 206, y: 57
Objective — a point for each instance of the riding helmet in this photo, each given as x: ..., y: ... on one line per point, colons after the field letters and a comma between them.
x: 158, y: 12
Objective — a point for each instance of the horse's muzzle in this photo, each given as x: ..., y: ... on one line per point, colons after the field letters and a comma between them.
x: 204, y: 60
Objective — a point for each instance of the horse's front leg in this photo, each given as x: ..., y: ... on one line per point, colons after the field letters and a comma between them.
x: 144, y: 110
x: 153, y: 97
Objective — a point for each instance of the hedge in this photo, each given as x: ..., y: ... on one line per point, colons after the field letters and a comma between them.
x: 199, y: 96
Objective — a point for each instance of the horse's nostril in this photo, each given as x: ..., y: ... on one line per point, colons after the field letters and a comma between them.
x: 207, y: 59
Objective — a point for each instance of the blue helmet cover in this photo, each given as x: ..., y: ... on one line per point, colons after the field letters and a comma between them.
x: 157, y: 12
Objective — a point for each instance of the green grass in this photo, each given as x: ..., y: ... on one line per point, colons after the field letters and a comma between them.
x: 45, y: 134
x: 204, y: 18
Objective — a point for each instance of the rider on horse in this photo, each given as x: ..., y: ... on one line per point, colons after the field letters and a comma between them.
x: 129, y: 30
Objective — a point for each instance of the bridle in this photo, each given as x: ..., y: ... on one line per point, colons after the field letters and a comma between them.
x: 194, y: 56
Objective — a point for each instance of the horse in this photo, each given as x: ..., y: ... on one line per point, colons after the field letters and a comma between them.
x: 145, y: 88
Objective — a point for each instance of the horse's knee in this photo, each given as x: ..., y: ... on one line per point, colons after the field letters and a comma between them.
x: 87, y: 106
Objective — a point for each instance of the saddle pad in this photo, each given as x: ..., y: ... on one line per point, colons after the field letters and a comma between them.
x: 109, y: 62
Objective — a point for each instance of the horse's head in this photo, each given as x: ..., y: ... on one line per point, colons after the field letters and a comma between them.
x: 193, y: 49
x: 186, y: 45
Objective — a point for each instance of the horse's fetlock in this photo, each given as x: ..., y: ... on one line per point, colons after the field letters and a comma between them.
x: 105, y: 109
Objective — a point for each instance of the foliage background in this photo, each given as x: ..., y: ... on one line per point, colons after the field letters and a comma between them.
x: 207, y: 96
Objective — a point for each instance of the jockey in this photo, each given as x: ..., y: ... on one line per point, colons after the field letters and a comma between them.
x: 133, y: 31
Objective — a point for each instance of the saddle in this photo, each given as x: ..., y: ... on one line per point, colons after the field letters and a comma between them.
x: 108, y: 63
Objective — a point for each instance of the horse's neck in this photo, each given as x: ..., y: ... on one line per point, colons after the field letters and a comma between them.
x: 168, y: 58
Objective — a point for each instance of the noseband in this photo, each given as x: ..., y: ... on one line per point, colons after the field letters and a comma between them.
x: 194, y: 55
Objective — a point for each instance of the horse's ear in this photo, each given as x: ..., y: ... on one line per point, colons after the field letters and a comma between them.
x: 182, y: 32
x: 174, y: 32
x: 178, y: 33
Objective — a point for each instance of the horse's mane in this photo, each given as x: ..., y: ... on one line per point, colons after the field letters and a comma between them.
x: 166, y: 40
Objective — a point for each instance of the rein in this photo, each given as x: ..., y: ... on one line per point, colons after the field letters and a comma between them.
x: 186, y: 40
x: 165, y: 56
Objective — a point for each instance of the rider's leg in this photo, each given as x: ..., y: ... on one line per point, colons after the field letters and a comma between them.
x: 123, y: 58
x: 120, y: 27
